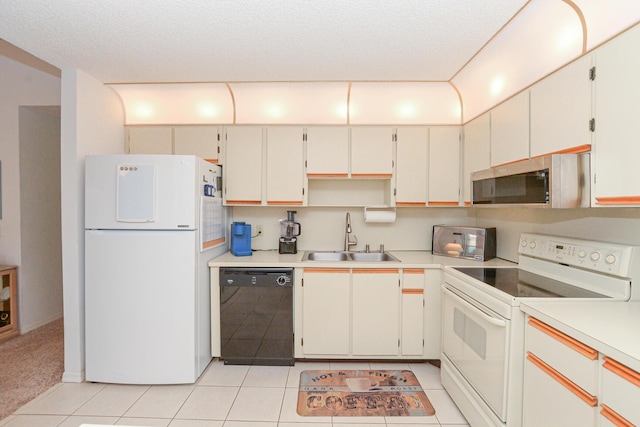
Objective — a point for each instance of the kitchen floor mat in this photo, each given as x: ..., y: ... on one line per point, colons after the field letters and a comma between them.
x: 362, y: 393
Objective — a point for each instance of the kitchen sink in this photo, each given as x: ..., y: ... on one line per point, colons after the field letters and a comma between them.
x: 372, y: 257
x: 329, y: 256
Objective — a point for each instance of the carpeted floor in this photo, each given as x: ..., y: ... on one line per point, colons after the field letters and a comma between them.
x: 30, y: 364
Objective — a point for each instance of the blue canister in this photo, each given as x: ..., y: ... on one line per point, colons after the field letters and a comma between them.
x: 240, y: 239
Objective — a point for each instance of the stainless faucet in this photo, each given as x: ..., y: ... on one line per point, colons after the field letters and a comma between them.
x: 348, y: 243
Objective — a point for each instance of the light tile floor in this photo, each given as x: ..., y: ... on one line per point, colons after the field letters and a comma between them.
x: 224, y: 396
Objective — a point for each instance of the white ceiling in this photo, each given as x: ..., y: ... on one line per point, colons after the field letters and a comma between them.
x: 256, y: 40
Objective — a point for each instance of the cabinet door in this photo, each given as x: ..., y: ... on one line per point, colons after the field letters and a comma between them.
x: 285, y: 166
x: 376, y: 312
x: 150, y: 139
x: 412, y: 331
x: 243, y: 166
x: 444, y: 166
x: 325, y: 312
x: 477, y: 147
x: 510, y: 130
x: 620, y: 388
x: 201, y: 141
x: 327, y: 152
x: 371, y: 152
x: 617, y: 145
x: 412, y: 158
x: 561, y: 110
x: 432, y: 313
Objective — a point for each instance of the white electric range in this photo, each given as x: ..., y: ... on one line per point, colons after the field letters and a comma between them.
x: 483, y: 327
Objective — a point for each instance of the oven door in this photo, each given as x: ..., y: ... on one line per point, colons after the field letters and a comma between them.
x: 476, y: 340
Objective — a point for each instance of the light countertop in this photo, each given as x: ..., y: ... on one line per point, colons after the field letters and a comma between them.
x: 408, y: 259
x: 611, y: 327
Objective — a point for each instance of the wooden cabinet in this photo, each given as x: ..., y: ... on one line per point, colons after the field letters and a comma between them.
x: 560, y: 378
x: 8, y: 303
x: 149, y: 139
x: 476, y: 151
x: 561, y: 110
x: 616, y: 176
x: 327, y: 152
x: 444, y: 166
x: 510, y: 130
x: 412, y: 160
x: 243, y: 165
x: 372, y: 152
x: 285, y: 166
x: 375, y: 312
x: 201, y: 141
x: 326, y: 312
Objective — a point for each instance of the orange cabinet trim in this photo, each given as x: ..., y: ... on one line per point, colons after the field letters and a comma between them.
x: 244, y: 202
x: 327, y: 175
x: 508, y: 163
x: 215, y: 161
x: 622, y: 200
x: 566, y: 382
x: 371, y: 175
x: 585, y: 148
x: 326, y: 270
x: 621, y: 370
x: 413, y: 291
x: 614, y: 417
x: 581, y: 348
x: 284, y: 202
x: 375, y: 270
x: 413, y: 271
x: 410, y: 204
x: 442, y: 203
x: 212, y: 243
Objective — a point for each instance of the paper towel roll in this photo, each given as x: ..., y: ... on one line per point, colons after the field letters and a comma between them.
x: 373, y: 214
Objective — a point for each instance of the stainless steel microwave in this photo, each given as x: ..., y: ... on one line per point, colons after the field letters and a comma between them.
x: 464, y: 242
x: 553, y: 181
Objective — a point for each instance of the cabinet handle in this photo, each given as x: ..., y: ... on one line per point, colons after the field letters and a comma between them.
x: 584, y: 148
x: 244, y: 202
x: 410, y: 204
x: 623, y: 200
x: 442, y: 203
x: 413, y: 271
x: 284, y: 202
x: 566, y: 382
x: 326, y: 270
x: 621, y: 370
x: 573, y: 343
x: 375, y: 271
x: 614, y: 417
x: 413, y: 291
x: 371, y: 175
x: 327, y: 175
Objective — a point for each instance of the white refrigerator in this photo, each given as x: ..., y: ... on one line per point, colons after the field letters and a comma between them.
x: 152, y: 223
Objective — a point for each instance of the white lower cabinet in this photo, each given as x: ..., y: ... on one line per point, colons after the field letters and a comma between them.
x: 560, y: 379
x: 326, y: 311
x: 361, y: 313
x: 619, y: 394
x: 376, y: 312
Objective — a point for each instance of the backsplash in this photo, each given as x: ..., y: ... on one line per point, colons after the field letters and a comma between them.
x: 324, y: 228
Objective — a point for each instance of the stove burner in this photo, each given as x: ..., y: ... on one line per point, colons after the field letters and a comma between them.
x: 523, y: 284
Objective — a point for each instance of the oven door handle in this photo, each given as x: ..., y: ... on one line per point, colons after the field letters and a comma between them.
x: 488, y: 318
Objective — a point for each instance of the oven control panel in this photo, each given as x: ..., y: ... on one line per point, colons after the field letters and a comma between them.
x: 603, y: 257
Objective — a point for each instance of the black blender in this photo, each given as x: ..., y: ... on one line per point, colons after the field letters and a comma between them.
x: 289, y: 230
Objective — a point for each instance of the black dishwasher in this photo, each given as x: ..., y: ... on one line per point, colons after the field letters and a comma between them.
x: 256, y: 316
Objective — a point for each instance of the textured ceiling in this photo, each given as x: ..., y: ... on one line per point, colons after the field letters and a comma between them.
x: 255, y: 40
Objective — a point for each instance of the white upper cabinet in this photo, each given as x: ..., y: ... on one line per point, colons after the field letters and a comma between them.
x: 412, y: 159
x: 285, y: 166
x: 327, y: 151
x: 243, y: 165
x: 444, y: 166
x: 150, y: 140
x: 616, y: 180
x: 477, y: 149
x: 510, y: 130
x: 561, y: 111
x: 371, y: 152
x: 201, y: 141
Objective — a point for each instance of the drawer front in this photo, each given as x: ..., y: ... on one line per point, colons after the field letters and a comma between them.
x: 620, y: 391
x: 573, y: 359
